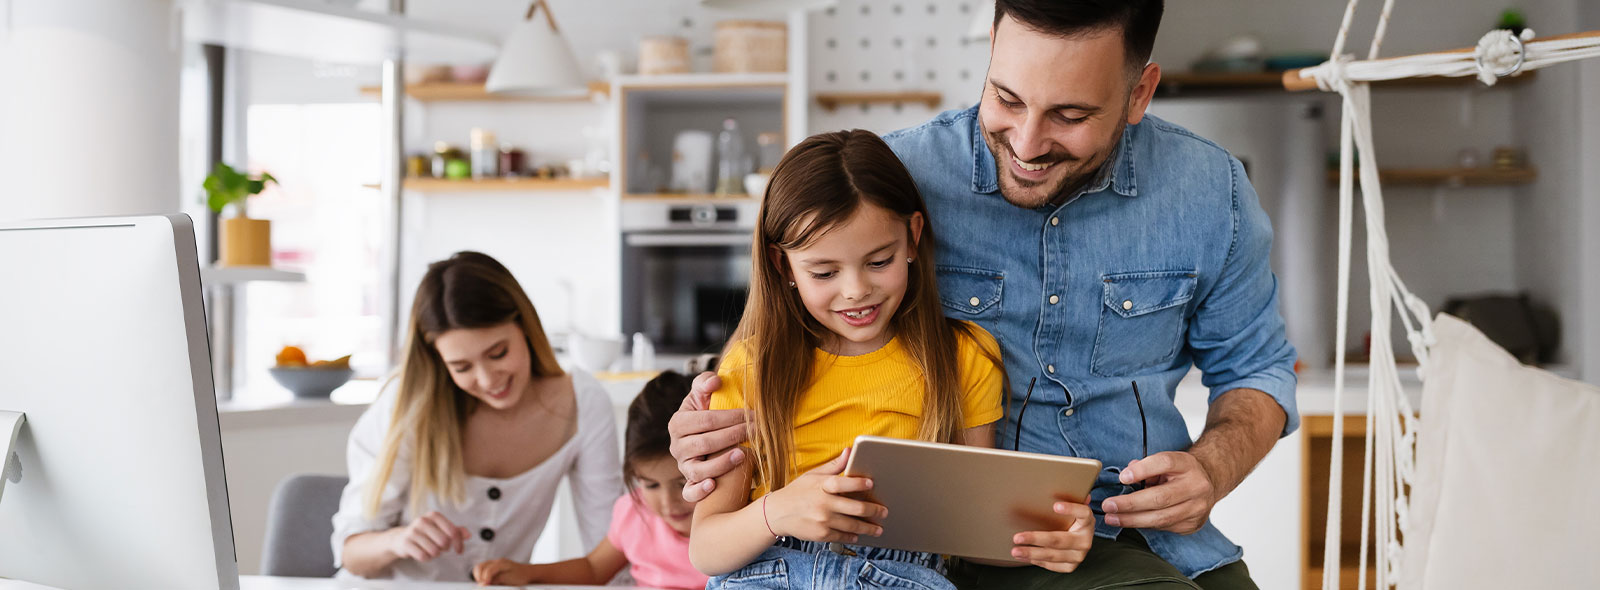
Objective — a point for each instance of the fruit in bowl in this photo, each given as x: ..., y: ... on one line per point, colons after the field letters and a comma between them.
x: 309, y: 379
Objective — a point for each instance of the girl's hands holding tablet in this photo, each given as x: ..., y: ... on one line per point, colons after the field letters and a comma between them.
x: 813, y: 507
x: 1058, y: 551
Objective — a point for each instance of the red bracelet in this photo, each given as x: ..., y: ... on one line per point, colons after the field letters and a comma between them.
x: 764, y: 515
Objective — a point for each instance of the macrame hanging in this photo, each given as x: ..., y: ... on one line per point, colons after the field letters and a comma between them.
x: 1392, y: 423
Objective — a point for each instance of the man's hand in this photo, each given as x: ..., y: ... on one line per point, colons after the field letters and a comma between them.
x: 705, y: 441
x: 1058, y: 551
x: 1177, y: 497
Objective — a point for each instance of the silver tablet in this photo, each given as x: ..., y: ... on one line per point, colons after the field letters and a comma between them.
x: 965, y: 501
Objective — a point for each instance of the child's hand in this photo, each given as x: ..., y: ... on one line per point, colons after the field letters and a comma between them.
x: 427, y: 537
x: 502, y: 572
x: 812, y: 507
x: 1058, y: 551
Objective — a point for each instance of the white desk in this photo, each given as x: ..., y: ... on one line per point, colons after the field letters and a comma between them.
x: 272, y: 583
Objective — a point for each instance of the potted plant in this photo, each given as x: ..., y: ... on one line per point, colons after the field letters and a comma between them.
x: 244, y: 241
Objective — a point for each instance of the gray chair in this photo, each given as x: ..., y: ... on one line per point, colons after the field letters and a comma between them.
x: 299, y: 526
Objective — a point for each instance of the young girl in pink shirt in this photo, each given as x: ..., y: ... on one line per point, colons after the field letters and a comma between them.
x: 649, y: 524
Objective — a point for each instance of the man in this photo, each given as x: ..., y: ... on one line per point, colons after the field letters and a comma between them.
x: 1108, y: 252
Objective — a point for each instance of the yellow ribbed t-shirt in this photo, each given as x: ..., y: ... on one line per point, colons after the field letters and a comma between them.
x: 878, y: 393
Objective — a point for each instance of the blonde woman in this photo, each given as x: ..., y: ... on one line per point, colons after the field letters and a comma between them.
x: 461, y: 461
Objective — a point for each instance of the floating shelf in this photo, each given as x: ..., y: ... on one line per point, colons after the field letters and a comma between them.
x: 832, y: 100
x: 501, y: 185
x: 1181, y: 83
x: 1450, y: 176
x: 473, y: 91
x: 685, y: 197
x: 332, y: 32
x: 232, y: 275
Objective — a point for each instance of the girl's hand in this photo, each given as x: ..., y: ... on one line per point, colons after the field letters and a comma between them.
x: 428, y: 537
x: 1058, y: 551
x: 812, y: 507
x: 503, y: 572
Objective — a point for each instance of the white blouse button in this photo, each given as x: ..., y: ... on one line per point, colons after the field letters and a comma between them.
x: 974, y: 301
x: 1127, y: 304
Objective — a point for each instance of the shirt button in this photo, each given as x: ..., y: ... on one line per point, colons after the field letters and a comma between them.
x: 1055, y: 221
x: 1051, y: 369
x: 486, y: 534
x: 494, y: 493
x: 974, y: 301
x: 1054, y: 300
x: 1127, y: 304
x: 1067, y: 412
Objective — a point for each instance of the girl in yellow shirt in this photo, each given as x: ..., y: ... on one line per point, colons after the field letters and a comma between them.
x: 843, y: 334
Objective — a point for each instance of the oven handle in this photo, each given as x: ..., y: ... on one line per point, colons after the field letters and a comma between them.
x: 687, y: 239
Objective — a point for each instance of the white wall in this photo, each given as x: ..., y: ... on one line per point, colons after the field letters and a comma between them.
x: 89, y: 110
x: 1587, y: 355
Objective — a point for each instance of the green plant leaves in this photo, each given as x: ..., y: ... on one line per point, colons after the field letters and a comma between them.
x: 226, y: 186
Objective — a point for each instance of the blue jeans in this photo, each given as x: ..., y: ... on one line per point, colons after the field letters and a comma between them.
x: 795, y: 564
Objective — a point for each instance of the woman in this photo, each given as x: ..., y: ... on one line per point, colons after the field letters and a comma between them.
x: 460, y: 463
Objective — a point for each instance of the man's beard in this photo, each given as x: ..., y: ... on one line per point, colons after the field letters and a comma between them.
x: 1069, y: 184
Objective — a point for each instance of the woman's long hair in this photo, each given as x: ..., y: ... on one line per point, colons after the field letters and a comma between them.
x: 468, y: 290
x: 817, y: 186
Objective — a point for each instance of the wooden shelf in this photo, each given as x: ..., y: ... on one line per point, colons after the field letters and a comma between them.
x: 502, y: 184
x: 685, y: 197
x: 473, y: 91
x: 1180, y: 83
x: 1450, y: 176
x: 832, y: 100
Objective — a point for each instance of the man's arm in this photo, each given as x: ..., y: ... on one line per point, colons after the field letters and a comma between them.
x: 1241, y: 427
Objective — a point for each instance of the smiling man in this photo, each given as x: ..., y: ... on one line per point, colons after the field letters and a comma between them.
x: 1109, y: 252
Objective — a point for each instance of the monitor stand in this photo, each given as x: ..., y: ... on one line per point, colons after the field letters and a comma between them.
x: 10, y: 465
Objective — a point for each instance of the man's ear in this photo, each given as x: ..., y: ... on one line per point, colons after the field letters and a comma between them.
x: 1143, y: 91
x: 915, y: 222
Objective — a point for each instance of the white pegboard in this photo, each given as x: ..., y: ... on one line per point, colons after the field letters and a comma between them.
x: 890, y: 46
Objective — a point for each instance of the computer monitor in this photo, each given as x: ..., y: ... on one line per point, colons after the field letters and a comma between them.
x: 116, y: 477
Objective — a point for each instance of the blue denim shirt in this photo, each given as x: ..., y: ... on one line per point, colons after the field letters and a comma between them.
x: 1159, y: 264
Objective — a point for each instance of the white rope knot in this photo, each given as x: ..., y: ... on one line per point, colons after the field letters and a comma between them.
x: 1331, y: 75
x: 1499, y: 54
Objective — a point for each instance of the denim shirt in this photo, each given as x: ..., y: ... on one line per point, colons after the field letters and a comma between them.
x: 1159, y: 264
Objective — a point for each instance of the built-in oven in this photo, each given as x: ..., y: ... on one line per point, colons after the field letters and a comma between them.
x: 685, y: 270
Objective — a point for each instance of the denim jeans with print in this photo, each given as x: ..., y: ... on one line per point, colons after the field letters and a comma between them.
x: 792, y: 564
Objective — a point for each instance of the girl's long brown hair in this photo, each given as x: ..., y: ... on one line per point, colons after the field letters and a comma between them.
x: 817, y: 186
x: 467, y: 290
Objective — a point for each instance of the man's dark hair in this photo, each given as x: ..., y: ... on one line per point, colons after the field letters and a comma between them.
x: 1138, y: 20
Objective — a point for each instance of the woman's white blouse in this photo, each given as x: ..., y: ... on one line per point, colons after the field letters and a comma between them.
x: 505, y: 516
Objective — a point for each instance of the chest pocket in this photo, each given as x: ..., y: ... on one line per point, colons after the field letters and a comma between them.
x: 1142, y: 320
x: 970, y: 293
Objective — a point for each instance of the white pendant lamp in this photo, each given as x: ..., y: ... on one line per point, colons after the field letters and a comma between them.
x: 536, y: 60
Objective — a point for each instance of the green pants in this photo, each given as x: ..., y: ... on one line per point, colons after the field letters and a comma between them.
x: 1126, y: 562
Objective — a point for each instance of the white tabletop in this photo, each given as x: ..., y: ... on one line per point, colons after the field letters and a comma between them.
x: 275, y: 583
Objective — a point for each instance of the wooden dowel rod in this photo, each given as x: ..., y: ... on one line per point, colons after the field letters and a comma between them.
x: 1294, y: 83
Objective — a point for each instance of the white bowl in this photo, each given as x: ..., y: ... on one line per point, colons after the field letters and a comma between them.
x: 595, y: 353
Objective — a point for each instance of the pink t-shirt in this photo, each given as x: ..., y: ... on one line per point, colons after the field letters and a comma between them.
x: 658, y: 554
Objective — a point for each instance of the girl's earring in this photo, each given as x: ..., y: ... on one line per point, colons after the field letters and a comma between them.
x: 791, y: 284
x: 909, y: 261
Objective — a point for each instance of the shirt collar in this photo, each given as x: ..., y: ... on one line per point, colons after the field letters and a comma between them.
x: 1116, y: 174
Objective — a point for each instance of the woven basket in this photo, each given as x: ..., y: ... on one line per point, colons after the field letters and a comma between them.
x: 751, y: 46
x: 663, y: 55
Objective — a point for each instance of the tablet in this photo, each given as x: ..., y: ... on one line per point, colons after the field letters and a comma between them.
x: 964, y: 501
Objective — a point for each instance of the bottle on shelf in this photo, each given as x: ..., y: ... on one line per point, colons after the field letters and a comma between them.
x: 485, y: 154
x: 731, y: 163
